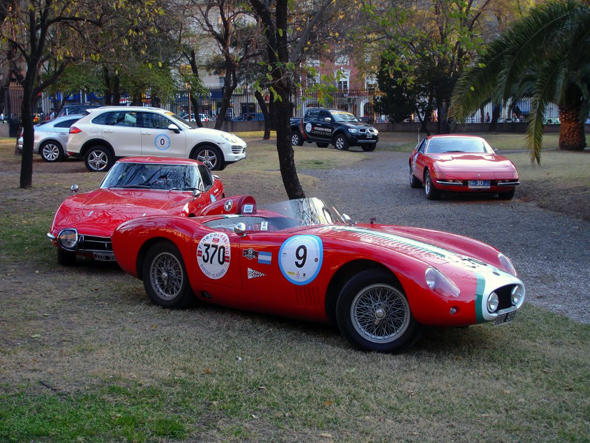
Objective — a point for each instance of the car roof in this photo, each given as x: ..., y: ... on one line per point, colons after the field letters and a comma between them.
x: 160, y: 160
x: 128, y: 108
x: 430, y: 137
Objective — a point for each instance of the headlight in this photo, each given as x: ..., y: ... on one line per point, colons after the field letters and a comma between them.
x: 229, y: 137
x: 376, y: 131
x: 516, y: 295
x: 353, y: 131
x: 507, y: 264
x: 68, y: 239
x: 439, y: 283
x: 493, y: 302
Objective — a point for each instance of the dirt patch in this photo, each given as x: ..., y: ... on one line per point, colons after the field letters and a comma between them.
x: 572, y: 201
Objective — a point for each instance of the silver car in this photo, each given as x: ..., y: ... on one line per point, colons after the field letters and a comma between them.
x: 51, y: 137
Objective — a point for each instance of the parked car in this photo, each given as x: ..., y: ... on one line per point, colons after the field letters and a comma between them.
x: 75, y: 109
x: 112, y: 132
x: 300, y: 258
x: 51, y: 138
x: 461, y: 163
x: 134, y: 187
x: 333, y: 126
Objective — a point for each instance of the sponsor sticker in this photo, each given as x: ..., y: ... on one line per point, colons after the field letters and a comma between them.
x: 162, y: 142
x: 250, y: 253
x: 228, y: 205
x: 300, y: 258
x: 214, y: 255
x: 254, y: 274
x: 248, y: 209
x: 265, y: 258
x: 308, y: 127
x: 264, y: 226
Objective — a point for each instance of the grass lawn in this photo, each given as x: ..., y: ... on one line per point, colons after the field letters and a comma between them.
x: 85, y: 357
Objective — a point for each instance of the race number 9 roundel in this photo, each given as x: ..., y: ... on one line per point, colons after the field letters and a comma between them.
x: 214, y: 254
x: 300, y: 258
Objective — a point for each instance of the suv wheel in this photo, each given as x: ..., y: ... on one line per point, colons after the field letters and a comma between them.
x: 99, y: 159
x: 296, y: 139
x: 210, y: 156
x: 341, y: 142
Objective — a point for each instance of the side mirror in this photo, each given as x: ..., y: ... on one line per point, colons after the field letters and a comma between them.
x: 75, y: 189
x: 328, y: 119
x: 196, y: 193
x: 347, y: 219
x: 240, y: 229
x: 173, y: 127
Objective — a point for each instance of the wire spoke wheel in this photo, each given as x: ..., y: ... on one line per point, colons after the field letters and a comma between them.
x: 166, y: 276
x: 380, y: 313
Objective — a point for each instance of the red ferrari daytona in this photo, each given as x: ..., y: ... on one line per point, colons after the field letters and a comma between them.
x: 303, y: 259
x: 461, y: 163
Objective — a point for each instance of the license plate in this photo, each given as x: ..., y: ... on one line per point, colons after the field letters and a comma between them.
x: 369, y: 135
x: 104, y: 256
x: 504, y: 318
x: 479, y: 184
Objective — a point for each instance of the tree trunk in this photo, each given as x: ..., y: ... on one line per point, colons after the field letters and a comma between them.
x: 571, y: 134
x: 495, y: 116
x: 26, y: 170
x: 262, y: 104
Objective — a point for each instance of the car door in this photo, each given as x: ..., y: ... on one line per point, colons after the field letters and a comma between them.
x: 325, y: 127
x: 418, y: 160
x: 157, y: 139
x: 310, y: 123
x: 119, y: 128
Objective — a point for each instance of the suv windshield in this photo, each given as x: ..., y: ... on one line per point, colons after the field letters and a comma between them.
x: 344, y: 117
x: 153, y: 176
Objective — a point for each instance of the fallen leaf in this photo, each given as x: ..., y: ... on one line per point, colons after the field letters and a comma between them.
x: 328, y: 403
x: 325, y: 435
x: 36, y: 336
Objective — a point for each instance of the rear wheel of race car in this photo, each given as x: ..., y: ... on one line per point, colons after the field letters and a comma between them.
x: 296, y: 139
x: 414, y: 182
x: 369, y: 147
x: 210, y: 156
x: 507, y: 195
x: 165, y: 278
x: 66, y: 258
x: 341, y: 142
x: 431, y: 192
x: 99, y: 159
x: 51, y: 151
x: 373, y: 313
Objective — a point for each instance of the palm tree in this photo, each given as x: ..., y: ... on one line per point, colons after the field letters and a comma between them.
x: 543, y: 56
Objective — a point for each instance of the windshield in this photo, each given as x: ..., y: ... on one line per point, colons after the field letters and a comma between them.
x: 344, y: 117
x: 458, y: 144
x: 307, y: 211
x: 153, y: 176
x: 180, y: 121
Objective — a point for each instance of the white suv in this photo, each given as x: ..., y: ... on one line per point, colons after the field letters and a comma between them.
x: 110, y: 132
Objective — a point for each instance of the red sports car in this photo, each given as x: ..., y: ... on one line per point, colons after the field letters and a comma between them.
x: 135, y: 187
x: 461, y: 163
x: 379, y: 284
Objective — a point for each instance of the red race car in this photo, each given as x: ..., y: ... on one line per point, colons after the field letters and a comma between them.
x: 135, y: 187
x: 461, y: 163
x: 379, y: 284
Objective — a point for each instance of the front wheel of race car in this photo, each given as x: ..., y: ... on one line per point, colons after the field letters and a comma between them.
x: 373, y: 313
x: 165, y: 278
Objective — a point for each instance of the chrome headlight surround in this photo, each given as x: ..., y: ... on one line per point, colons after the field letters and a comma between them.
x: 440, y: 283
x: 68, y: 239
x: 493, y: 302
x: 516, y: 295
x: 507, y: 264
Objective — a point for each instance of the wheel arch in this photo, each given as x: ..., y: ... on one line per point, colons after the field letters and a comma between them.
x: 144, y: 250
x: 96, y: 142
x: 206, y: 143
x: 342, y: 276
x: 339, y: 131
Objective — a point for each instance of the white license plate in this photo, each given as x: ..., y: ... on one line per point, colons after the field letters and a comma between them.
x: 504, y: 318
x: 104, y: 256
x: 479, y: 184
x: 369, y: 136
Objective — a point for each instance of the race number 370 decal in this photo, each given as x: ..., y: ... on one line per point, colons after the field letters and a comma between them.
x: 214, y: 254
x: 300, y: 258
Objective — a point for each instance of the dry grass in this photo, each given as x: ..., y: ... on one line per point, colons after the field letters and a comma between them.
x: 85, y: 357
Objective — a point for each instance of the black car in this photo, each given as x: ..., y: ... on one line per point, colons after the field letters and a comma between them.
x: 332, y: 126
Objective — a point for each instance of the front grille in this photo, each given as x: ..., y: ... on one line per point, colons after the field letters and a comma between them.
x: 504, y: 296
x: 95, y: 244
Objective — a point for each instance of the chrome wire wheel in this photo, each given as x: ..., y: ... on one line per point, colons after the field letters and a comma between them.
x: 166, y: 276
x: 380, y: 313
x: 208, y: 157
x: 51, y: 152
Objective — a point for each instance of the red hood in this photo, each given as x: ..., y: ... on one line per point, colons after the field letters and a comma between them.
x: 100, y: 212
x: 474, y: 164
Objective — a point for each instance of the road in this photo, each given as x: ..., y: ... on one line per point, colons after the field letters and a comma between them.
x: 550, y: 251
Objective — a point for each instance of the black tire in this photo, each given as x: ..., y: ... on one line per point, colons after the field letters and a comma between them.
x: 373, y: 313
x: 51, y: 151
x: 65, y: 258
x: 296, y: 139
x: 323, y: 145
x: 509, y: 195
x: 341, y: 142
x: 165, y: 278
x: 429, y: 190
x: 210, y: 156
x: 369, y: 147
x: 414, y: 182
x: 99, y: 159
